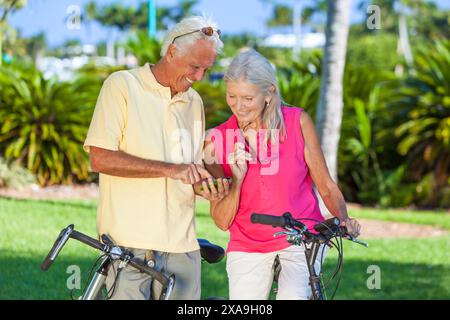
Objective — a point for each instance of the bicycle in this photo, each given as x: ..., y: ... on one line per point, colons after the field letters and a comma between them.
x: 209, y: 252
x: 297, y: 234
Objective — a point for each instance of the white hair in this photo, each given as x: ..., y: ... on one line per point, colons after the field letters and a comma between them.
x: 187, y: 25
x: 251, y: 67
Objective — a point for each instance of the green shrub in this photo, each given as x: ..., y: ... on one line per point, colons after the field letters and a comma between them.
x: 14, y: 176
x: 43, y: 124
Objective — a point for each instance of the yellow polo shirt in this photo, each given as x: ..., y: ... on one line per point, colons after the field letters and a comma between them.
x: 135, y: 114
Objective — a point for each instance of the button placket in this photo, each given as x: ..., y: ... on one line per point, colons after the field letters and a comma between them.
x: 170, y: 125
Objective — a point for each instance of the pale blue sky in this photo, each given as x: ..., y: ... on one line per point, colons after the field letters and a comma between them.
x: 233, y: 16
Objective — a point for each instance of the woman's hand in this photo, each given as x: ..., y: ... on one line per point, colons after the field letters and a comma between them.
x: 238, y: 162
x: 353, y: 227
x: 213, y: 191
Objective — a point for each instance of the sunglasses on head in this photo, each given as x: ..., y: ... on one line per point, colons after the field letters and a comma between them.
x: 207, y: 31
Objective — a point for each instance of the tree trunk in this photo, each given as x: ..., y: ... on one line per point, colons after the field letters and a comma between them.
x: 329, y: 109
x: 331, y: 102
x: 403, y: 41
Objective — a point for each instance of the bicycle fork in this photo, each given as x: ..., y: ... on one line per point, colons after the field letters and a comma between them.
x: 314, y: 279
x: 97, y: 281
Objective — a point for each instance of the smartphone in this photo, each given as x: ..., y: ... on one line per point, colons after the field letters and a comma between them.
x: 216, y: 183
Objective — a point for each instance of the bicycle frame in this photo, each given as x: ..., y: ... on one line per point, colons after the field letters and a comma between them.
x: 312, y: 248
x: 314, y: 279
x: 97, y: 282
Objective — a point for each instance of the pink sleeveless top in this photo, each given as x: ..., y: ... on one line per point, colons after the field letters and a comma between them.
x: 278, y: 182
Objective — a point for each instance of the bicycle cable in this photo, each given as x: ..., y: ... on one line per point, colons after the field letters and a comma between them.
x: 321, y: 271
x: 111, y: 291
x: 336, y: 270
x: 318, y: 221
x: 341, y: 259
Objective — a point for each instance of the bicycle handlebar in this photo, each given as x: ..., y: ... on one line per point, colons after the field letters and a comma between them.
x: 94, y: 243
x: 69, y: 232
x: 328, y: 228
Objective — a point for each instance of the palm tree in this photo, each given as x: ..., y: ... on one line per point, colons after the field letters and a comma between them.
x: 90, y: 12
x: 7, y: 7
x: 330, y: 106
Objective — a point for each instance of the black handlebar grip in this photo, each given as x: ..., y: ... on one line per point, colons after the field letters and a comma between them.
x: 276, y: 221
x: 47, y: 263
x: 88, y: 240
x: 158, y: 276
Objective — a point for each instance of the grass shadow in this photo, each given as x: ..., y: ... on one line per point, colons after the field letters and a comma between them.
x: 22, y: 278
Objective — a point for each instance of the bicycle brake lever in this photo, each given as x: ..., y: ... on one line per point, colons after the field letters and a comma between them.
x: 281, y: 233
x: 358, y: 241
x: 287, y: 233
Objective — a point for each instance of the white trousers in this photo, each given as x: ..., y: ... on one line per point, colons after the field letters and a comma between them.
x: 250, y: 275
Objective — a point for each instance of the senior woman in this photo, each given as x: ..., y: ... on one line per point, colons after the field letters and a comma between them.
x: 272, y: 153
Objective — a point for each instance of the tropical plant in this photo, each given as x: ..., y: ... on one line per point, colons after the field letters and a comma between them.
x: 376, y: 184
x: 363, y: 120
x: 144, y: 48
x: 423, y: 101
x: 367, y: 175
x: 301, y: 90
x: 44, y: 124
x: 300, y: 84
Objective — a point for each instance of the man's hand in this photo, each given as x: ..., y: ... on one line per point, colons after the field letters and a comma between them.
x: 189, y: 173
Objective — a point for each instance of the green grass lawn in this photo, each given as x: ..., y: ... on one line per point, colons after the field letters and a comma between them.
x: 410, y: 268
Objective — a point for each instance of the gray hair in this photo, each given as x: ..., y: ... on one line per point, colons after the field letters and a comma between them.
x: 251, y: 67
x: 188, y: 25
